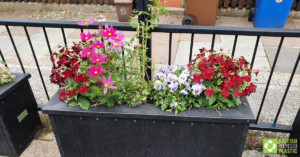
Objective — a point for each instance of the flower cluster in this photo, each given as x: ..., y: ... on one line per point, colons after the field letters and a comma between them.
x: 85, y: 72
x: 6, y: 76
x: 174, y: 88
x: 226, y: 79
x: 211, y: 79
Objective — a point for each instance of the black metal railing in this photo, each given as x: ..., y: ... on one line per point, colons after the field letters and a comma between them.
x: 171, y: 29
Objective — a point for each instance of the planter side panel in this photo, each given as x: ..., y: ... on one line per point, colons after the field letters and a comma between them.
x: 4, y: 147
x: 120, y: 137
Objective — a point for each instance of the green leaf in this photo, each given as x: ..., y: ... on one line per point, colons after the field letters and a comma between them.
x: 164, y: 106
x: 212, y: 99
x: 110, y: 103
x: 84, y: 103
x: 176, y: 111
x: 145, y: 92
x: 230, y: 104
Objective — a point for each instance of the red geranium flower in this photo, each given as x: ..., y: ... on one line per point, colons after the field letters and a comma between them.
x: 236, y: 93
x: 225, y: 93
x: 82, y: 89
x: 71, y: 93
x: 62, y: 96
x: 209, y: 92
x: 197, y: 78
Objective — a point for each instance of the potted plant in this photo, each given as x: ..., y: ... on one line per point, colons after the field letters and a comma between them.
x: 95, y: 72
x: 19, y: 119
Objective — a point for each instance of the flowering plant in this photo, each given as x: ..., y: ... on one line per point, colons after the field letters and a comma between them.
x: 175, y: 90
x: 212, y: 79
x: 5, y: 75
x: 100, y: 69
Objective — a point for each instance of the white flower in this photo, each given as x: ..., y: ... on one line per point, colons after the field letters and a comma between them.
x: 173, y: 104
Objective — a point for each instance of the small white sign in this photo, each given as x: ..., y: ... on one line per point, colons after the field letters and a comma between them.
x: 278, y: 1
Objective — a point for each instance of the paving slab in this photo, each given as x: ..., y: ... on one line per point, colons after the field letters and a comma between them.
x: 286, y: 60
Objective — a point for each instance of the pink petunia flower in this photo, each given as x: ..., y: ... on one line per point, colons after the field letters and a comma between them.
x: 98, y: 44
x: 95, y: 71
x: 86, y: 23
x: 119, y: 37
x: 87, y: 52
x: 108, y: 32
x: 116, y: 45
x: 97, y: 58
x: 108, y: 84
x: 85, y: 37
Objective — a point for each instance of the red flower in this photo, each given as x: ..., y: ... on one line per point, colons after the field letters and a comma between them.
x: 208, y: 73
x: 250, y: 89
x: 99, y: 83
x: 236, y: 93
x: 197, y: 78
x: 83, y: 78
x: 209, y: 92
x: 82, y: 89
x: 62, y: 96
x: 225, y: 93
x: 68, y: 74
x: 71, y: 93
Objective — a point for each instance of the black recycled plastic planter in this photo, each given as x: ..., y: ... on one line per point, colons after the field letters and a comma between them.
x: 19, y: 119
x: 146, y: 131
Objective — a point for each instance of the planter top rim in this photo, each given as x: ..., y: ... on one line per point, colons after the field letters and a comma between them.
x: 7, y: 88
x: 242, y: 114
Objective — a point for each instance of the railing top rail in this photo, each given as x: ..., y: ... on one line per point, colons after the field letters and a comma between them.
x: 162, y: 28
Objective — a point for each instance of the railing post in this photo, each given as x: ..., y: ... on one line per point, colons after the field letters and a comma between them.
x: 295, y: 134
x: 143, y: 6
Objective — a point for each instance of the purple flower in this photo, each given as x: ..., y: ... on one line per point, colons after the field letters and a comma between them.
x: 197, y: 89
x: 172, y: 78
x: 160, y: 76
x: 157, y: 85
x: 184, y: 92
x: 173, y: 68
x: 173, y: 87
x: 163, y: 70
x: 182, y: 78
x: 173, y: 104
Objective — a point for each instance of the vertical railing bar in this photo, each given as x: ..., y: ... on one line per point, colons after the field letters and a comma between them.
x: 234, y: 45
x: 213, y: 41
x: 81, y: 29
x: 170, y: 48
x: 48, y: 44
x: 269, y: 80
x: 255, y: 50
x: 287, y: 89
x: 3, y: 58
x: 15, y: 48
x: 36, y: 62
x: 191, y: 47
x: 64, y: 36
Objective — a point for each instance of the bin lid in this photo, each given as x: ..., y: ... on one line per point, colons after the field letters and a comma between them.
x: 122, y: 1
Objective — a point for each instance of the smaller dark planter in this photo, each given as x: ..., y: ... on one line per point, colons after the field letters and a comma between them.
x: 19, y: 119
x: 146, y: 131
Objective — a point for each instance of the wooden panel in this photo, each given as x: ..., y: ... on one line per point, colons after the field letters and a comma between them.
x: 298, y: 6
x: 155, y: 135
x: 63, y: 1
x: 294, y: 5
x: 50, y: 1
x: 106, y: 1
x: 94, y: 1
x: 67, y: 136
x: 57, y: 1
x: 172, y: 138
x: 44, y: 1
x: 241, y: 4
x: 100, y: 2
x: 88, y: 1
x: 226, y: 3
x: 135, y: 130
x: 221, y: 3
x: 191, y: 139
x: 233, y: 3
x: 81, y: 1
x: 249, y: 4
x: 111, y: 2
x: 117, y: 136
x: 84, y: 136
x: 100, y: 135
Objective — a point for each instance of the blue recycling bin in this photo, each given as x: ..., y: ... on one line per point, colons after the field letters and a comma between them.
x: 271, y: 13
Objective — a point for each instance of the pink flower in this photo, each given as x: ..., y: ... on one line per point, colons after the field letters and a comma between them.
x: 116, y: 45
x: 108, y: 84
x: 119, y: 37
x: 87, y: 52
x: 98, y: 45
x: 95, y: 71
x: 108, y: 32
x: 97, y: 58
x: 85, y: 37
x: 86, y: 23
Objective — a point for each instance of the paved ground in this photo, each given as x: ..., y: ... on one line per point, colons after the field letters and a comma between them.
x: 45, y: 145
